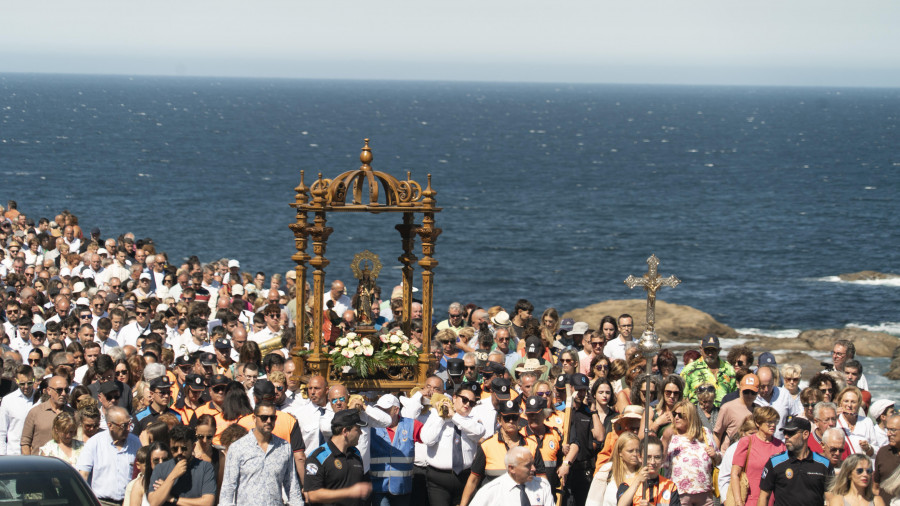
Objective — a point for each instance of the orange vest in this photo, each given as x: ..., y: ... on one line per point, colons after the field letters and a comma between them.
x: 284, y: 423
x: 221, y: 423
x: 606, y: 453
x: 661, y: 494
x: 495, y: 452
x: 550, y: 448
x: 556, y: 419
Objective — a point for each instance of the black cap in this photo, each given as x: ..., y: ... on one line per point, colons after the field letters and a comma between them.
x: 161, y: 382
x: 347, y: 418
x: 500, y: 386
x: 580, y: 381
x: 710, y: 341
x: 508, y: 407
x: 183, y: 360
x: 222, y: 344
x: 195, y: 382
x: 108, y: 387
x: 263, y: 389
x: 455, y: 366
x: 533, y: 345
x: 95, y: 231
x: 207, y: 358
x: 561, y: 381
x: 218, y: 379
x: 496, y: 368
x: 535, y: 404
x: 796, y: 423
x: 475, y: 388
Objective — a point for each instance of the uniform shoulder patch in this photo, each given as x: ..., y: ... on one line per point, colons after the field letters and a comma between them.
x: 312, y: 468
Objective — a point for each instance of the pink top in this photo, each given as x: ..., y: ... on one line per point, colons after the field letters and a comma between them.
x: 690, y: 467
x: 760, y: 453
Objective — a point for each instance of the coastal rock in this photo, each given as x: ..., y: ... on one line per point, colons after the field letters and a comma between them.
x: 867, y: 276
x: 894, y: 371
x: 867, y: 343
x: 674, y: 322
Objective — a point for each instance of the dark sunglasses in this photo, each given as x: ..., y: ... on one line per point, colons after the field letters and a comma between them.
x: 510, y: 418
x: 179, y: 448
x: 470, y: 367
x: 59, y: 391
x: 748, y: 392
x: 467, y: 401
x: 706, y: 389
x: 219, y: 389
x: 678, y: 415
x: 266, y: 418
x: 205, y: 438
x: 860, y: 470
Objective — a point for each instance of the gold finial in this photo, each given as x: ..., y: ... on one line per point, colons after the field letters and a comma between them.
x: 366, y: 156
x: 301, y: 188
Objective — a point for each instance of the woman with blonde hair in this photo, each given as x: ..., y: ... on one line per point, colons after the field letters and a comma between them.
x: 859, y: 430
x: 753, y: 452
x: 691, y: 454
x: 549, y: 326
x: 63, y: 446
x: 853, y: 484
x: 625, y: 463
x: 791, y: 375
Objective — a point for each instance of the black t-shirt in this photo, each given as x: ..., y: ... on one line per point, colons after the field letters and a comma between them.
x: 327, y: 467
x: 200, y: 479
x: 793, y: 481
x: 580, y: 434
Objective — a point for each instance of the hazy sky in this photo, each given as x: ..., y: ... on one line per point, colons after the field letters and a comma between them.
x: 791, y: 42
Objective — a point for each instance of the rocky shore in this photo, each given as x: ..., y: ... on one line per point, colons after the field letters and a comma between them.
x: 867, y: 276
x: 679, y: 325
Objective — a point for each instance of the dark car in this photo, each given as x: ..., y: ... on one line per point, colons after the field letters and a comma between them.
x: 33, y: 480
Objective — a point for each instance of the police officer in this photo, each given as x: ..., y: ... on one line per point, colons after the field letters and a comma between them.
x: 334, y: 471
x: 798, y: 475
x: 160, y: 395
x: 489, y: 460
x: 549, y: 439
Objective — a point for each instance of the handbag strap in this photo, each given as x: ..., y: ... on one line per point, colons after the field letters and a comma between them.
x: 749, y: 446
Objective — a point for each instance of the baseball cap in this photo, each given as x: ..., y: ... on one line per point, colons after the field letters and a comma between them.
x: 750, y: 382
x: 500, y: 386
x: 455, y: 366
x: 794, y: 424
x: 561, y: 381
x: 145, y: 275
x: 222, y: 344
x: 508, y: 407
x: 535, y: 404
x: 195, y: 382
x: 710, y: 341
x: 207, y: 359
x: 580, y: 381
x: 533, y: 344
x: 183, y: 360
x: 234, y: 263
x: 388, y: 401
x: 160, y: 382
x: 264, y: 388
x: 220, y: 379
x: 347, y: 418
x: 767, y: 359
x: 95, y: 231
x: 579, y: 328
x: 38, y: 328
x: 108, y: 387
x: 566, y: 324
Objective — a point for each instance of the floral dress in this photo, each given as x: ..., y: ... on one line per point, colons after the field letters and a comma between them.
x: 690, y: 467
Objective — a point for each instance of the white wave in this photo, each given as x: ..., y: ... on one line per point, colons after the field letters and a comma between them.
x: 785, y: 333
x: 889, y: 327
x: 878, y: 282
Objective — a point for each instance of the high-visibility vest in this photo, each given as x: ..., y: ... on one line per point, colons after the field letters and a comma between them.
x: 549, y: 447
x: 660, y: 494
x: 495, y: 454
x: 391, y: 462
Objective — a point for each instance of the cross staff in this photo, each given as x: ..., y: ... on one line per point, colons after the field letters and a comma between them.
x: 651, y: 281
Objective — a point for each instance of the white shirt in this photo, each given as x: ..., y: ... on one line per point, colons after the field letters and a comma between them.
x: 262, y: 336
x: 308, y: 416
x: 340, y: 305
x: 864, y: 429
x: 13, y: 410
x: 487, y: 415
x: 615, y: 349
x: 437, y: 435
x: 130, y: 333
x: 105, y: 346
x: 10, y: 330
x: 784, y: 403
x: 504, y: 490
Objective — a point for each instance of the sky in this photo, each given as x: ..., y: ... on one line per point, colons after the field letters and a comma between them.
x: 762, y: 42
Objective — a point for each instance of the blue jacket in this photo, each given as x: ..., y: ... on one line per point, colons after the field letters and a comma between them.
x: 391, y: 463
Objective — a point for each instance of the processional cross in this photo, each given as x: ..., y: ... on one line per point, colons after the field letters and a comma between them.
x: 652, y: 281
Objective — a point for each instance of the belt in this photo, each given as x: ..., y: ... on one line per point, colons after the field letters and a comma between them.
x: 112, y: 501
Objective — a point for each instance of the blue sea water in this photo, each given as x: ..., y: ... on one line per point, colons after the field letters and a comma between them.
x: 754, y: 197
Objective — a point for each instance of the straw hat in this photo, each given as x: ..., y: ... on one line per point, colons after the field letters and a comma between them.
x: 531, y: 364
x: 630, y: 412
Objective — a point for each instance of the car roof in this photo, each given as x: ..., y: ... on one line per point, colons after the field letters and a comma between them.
x: 32, y: 463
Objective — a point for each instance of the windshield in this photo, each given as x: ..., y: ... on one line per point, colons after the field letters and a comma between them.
x: 42, y: 489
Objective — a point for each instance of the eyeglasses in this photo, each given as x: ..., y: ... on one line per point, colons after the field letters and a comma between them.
x: 567, y: 361
x: 469, y: 402
x: 542, y: 394
x: 205, y: 437
x: 121, y: 373
x: 890, y: 430
x: 672, y: 393
x: 510, y: 418
x: 792, y: 379
x: 266, y: 418
x: 826, y: 390
x: 456, y: 316
x: 702, y: 390
x: 179, y: 449
x: 122, y: 425
x: 601, y: 367
x: 808, y: 405
x: 596, y: 343
x: 712, y: 351
x: 142, y: 313
x: 338, y: 399
x: 739, y: 363
x: 445, y: 342
x: 25, y: 383
x: 838, y: 353
x: 33, y: 360
x: 863, y: 470
x: 469, y: 367
x: 279, y: 387
x: 59, y: 391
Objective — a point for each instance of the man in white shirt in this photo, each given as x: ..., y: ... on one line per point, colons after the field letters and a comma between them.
x: 14, y: 409
x: 776, y: 397
x: 341, y: 301
x: 616, y: 348
x: 309, y: 414
x: 518, y: 486
x: 118, y: 269
x: 272, y: 315
x: 139, y: 327
x: 842, y: 352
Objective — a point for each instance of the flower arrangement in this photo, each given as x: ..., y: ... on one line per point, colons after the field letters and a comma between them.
x: 396, y: 348
x: 355, y: 352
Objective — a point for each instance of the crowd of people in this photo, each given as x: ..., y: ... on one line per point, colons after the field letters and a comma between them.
x: 173, y: 384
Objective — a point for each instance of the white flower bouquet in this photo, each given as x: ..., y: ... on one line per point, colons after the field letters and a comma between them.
x: 356, y: 352
x: 396, y: 349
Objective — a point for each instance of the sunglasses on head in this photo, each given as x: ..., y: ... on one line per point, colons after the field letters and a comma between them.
x: 706, y: 389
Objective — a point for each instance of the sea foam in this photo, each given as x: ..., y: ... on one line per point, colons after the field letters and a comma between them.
x: 879, y: 282
x: 892, y: 328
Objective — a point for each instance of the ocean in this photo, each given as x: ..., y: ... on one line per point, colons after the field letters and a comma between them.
x: 756, y: 197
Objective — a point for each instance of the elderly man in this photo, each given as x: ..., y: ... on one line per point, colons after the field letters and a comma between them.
x: 518, y: 486
x: 842, y: 351
x: 824, y: 418
x: 107, y: 459
x: 336, y: 294
x: 888, y: 457
x: 833, y: 447
x: 777, y: 397
x: 456, y: 318
x: 38, y: 425
x: 338, y: 400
